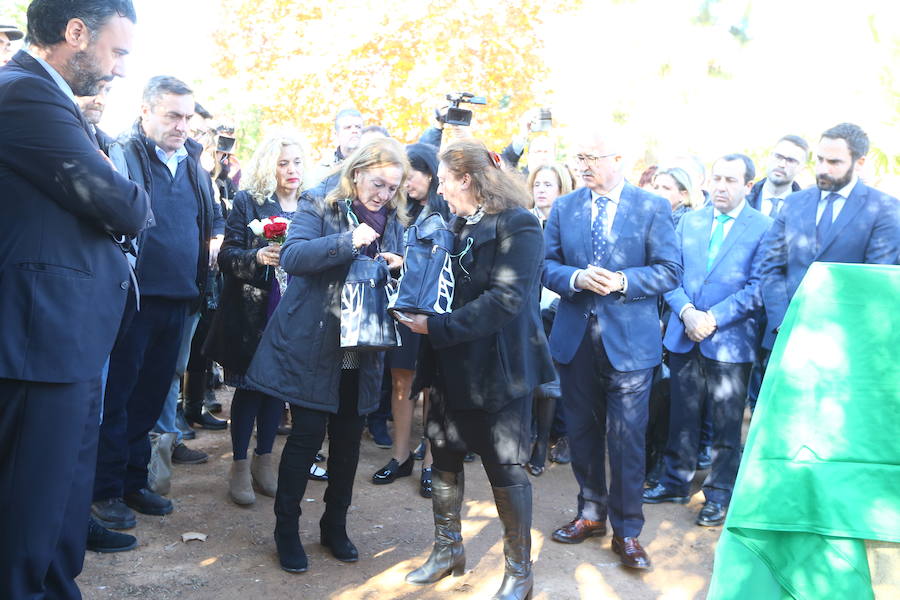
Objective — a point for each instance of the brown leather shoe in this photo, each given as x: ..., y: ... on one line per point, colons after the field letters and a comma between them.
x: 630, y: 552
x: 577, y: 530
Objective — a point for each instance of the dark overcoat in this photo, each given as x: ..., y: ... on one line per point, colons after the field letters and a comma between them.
x: 241, y: 316
x: 492, y: 348
x: 299, y: 357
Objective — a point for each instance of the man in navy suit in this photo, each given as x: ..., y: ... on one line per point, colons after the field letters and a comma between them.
x: 840, y: 220
x: 713, y: 336
x: 611, y: 252
x: 64, y: 281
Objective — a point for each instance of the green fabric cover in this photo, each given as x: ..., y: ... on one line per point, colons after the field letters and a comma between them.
x: 821, y: 468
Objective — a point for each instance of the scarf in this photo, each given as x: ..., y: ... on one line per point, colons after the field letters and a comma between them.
x: 377, y: 220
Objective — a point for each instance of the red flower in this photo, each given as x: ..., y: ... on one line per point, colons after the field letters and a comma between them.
x: 273, y: 231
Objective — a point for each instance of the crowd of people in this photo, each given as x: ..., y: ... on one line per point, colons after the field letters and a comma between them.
x: 593, y: 321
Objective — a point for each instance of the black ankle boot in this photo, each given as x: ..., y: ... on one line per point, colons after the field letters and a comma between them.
x: 333, y: 535
x: 291, y: 554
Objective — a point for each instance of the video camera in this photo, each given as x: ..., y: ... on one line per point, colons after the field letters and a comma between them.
x: 456, y: 115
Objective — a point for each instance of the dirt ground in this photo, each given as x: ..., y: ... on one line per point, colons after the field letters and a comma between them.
x: 392, y: 527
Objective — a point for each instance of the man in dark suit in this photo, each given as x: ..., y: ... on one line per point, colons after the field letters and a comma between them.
x: 788, y: 157
x: 713, y: 336
x: 611, y: 252
x: 840, y: 220
x: 65, y: 280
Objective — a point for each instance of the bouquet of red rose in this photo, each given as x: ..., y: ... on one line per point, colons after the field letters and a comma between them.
x: 274, y: 230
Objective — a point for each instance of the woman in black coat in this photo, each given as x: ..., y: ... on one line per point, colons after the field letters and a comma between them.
x: 250, y: 294
x: 421, y: 191
x: 491, y: 354
x: 300, y: 359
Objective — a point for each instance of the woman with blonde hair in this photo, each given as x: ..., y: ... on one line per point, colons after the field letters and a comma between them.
x: 547, y: 183
x: 491, y: 353
x: 250, y: 294
x: 674, y: 184
x: 300, y: 359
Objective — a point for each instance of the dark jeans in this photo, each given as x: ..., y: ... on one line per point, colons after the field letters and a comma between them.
x: 306, y: 437
x: 247, y: 407
x: 604, y: 409
x: 141, y: 368
x: 48, y: 446
x: 696, y: 380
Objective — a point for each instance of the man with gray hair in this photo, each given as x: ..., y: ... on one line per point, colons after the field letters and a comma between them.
x: 173, y: 258
x: 65, y: 221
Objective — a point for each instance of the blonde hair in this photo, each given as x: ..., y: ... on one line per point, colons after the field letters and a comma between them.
x: 495, y: 190
x: 684, y: 183
x: 564, y: 179
x: 376, y: 153
x: 260, y: 179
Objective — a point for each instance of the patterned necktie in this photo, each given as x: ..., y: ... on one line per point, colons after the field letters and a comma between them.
x: 598, y: 231
x: 826, y: 219
x: 716, y: 239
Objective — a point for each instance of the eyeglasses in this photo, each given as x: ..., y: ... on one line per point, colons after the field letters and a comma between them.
x: 785, y: 159
x: 590, y: 158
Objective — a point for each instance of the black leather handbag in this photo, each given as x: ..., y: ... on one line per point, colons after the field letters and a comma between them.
x: 426, y: 279
x: 365, y: 296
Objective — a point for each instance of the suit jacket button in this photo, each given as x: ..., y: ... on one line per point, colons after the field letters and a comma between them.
x: 124, y: 285
x: 332, y: 252
x: 586, y: 315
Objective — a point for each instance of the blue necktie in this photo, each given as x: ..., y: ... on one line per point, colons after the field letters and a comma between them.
x: 826, y: 219
x: 716, y: 239
x: 598, y: 231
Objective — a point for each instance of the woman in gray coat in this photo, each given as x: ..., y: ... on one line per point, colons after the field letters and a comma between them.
x: 300, y: 359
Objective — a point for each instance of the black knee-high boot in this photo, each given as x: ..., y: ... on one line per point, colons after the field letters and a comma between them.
x: 514, y: 508
x: 447, y: 555
x: 545, y: 409
x: 292, y: 477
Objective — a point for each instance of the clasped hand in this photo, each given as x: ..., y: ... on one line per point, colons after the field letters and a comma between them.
x: 698, y: 324
x: 599, y: 280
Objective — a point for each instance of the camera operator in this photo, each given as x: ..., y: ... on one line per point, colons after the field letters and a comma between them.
x: 541, y: 148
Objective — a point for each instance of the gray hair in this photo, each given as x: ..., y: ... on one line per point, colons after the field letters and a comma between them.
x: 164, y: 84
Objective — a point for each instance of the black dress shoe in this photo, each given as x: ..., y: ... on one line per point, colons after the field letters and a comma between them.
x: 391, y: 471
x: 704, y: 458
x: 291, y: 554
x: 659, y: 494
x: 535, y: 470
x: 205, y: 421
x: 712, y: 514
x: 149, y: 503
x: 630, y: 552
x: 559, y: 452
x: 335, y: 539
x: 113, y: 514
x: 425, y: 484
x: 101, y: 539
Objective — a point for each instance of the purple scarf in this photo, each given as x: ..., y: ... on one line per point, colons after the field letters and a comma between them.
x: 376, y: 220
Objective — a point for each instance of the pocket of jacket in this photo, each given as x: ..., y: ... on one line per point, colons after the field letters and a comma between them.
x: 51, y: 269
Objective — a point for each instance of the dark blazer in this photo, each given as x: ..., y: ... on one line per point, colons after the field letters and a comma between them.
x: 63, y: 280
x: 642, y: 246
x: 241, y: 316
x: 867, y: 230
x: 134, y: 148
x: 754, y: 197
x: 492, y: 349
x: 299, y: 357
x: 730, y: 289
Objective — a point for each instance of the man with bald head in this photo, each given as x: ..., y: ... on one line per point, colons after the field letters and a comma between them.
x: 611, y: 252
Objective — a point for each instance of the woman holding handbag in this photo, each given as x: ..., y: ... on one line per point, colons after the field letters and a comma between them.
x: 250, y: 294
x: 491, y: 353
x: 421, y: 191
x: 300, y: 359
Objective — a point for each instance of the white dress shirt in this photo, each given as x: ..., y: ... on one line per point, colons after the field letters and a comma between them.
x: 612, y: 206
x: 844, y: 193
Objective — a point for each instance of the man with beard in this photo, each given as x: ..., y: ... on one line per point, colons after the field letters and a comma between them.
x: 787, y: 158
x: 92, y: 108
x: 64, y: 219
x: 840, y: 220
